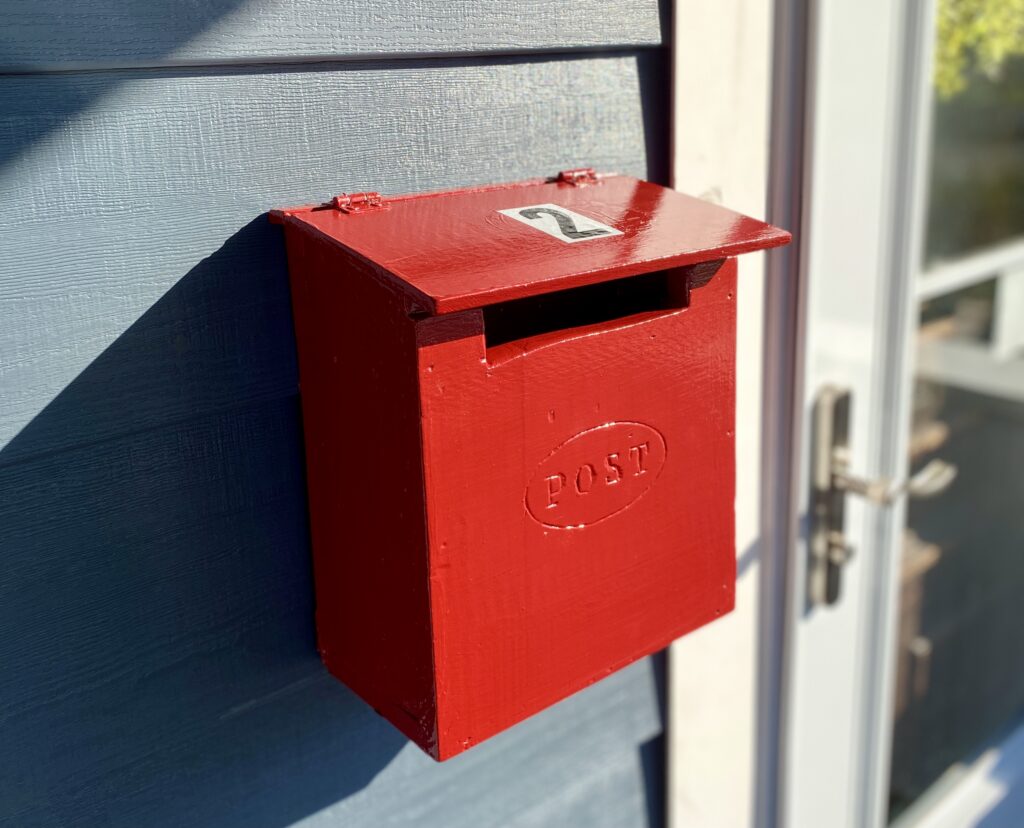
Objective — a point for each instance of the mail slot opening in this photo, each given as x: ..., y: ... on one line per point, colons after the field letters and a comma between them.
x: 663, y: 291
x: 588, y: 305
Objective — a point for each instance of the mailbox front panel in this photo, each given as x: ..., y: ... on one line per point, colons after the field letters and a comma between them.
x: 579, y: 504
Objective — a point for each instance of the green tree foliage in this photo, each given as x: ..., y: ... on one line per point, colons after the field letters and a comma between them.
x: 975, y: 36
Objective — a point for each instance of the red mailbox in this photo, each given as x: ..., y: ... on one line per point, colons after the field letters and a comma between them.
x: 518, y: 405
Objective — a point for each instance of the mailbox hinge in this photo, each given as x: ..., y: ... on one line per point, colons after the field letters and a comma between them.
x: 358, y: 202
x: 578, y: 177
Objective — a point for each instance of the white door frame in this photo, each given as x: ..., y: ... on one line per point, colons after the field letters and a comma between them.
x: 757, y: 702
x: 738, y: 139
x: 869, y: 100
x: 781, y: 714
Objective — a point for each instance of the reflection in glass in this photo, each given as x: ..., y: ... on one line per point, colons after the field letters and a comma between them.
x: 977, y: 164
x: 960, y: 650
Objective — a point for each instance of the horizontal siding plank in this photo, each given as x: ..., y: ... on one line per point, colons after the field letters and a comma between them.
x: 53, y: 34
x: 136, y: 255
x: 156, y: 596
x: 160, y: 670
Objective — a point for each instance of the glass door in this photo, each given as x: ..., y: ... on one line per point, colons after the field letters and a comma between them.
x: 904, y: 680
x: 960, y: 633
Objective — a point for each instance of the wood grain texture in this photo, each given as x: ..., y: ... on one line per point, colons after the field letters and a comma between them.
x: 361, y: 424
x: 55, y: 34
x: 509, y: 478
x: 156, y: 595
x: 526, y: 611
x: 156, y: 630
x: 122, y: 188
x: 460, y: 250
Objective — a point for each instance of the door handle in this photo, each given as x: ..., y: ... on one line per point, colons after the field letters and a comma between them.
x: 933, y: 479
x: 832, y: 481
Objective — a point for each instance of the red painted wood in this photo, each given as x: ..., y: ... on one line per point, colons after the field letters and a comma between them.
x: 452, y: 251
x: 358, y: 383
x: 497, y: 527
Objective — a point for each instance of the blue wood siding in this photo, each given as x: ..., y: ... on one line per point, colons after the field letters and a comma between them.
x: 59, y: 34
x: 155, y: 590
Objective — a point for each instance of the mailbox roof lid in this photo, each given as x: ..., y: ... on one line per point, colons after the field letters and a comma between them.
x: 455, y: 250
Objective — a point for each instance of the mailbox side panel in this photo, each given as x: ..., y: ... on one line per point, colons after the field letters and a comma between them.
x: 360, y: 409
x: 580, y: 505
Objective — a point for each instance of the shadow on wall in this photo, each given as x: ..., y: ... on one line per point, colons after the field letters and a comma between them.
x: 156, y: 617
x: 156, y: 599
x: 156, y: 620
x: 652, y: 752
